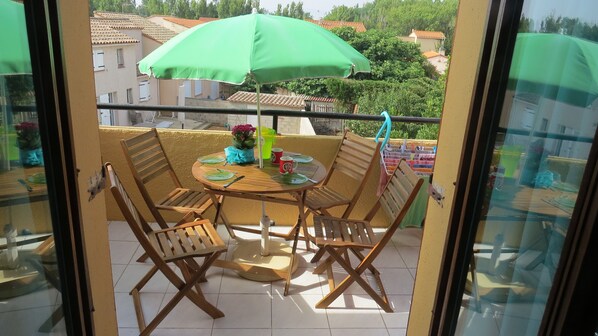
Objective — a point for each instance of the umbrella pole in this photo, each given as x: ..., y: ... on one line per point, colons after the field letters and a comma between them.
x: 265, y: 221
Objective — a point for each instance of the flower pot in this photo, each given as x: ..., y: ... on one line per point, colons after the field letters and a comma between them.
x: 31, y: 157
x: 237, y: 155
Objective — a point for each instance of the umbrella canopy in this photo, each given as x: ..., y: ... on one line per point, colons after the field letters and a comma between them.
x: 558, y: 67
x: 14, y: 53
x: 265, y: 47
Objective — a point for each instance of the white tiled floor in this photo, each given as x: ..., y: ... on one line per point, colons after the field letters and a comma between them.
x: 257, y: 308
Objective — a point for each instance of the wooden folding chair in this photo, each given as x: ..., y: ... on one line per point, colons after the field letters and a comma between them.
x: 337, y: 236
x: 356, y: 159
x: 177, y: 245
x: 148, y: 162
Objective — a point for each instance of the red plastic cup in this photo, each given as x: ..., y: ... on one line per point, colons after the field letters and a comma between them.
x: 287, y: 165
x: 276, y: 155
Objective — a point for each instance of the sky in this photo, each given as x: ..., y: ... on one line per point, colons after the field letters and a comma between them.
x: 317, y: 8
x: 585, y: 10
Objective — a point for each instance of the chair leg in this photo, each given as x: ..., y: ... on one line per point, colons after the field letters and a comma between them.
x: 56, y: 316
x: 360, y: 255
x: 218, y: 202
x: 354, y: 275
x: 145, y: 279
x: 143, y: 258
x: 293, y: 252
x: 186, y: 290
x: 318, y: 255
x: 328, y: 262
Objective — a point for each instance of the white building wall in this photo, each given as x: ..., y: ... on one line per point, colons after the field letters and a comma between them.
x: 114, y: 80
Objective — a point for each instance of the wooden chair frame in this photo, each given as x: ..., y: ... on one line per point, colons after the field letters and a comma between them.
x: 178, y: 245
x: 148, y: 161
x: 356, y: 158
x: 337, y: 236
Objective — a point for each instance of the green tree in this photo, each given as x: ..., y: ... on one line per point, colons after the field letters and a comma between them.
x: 182, y: 9
x: 230, y: 8
x: 294, y: 10
x: 344, y: 13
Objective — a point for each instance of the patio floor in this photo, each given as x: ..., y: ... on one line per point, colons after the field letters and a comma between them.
x: 258, y: 308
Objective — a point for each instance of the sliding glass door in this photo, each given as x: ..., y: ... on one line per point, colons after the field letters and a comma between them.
x: 525, y: 190
x: 40, y: 279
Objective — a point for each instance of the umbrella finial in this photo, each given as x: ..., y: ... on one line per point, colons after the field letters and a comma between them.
x: 254, y: 11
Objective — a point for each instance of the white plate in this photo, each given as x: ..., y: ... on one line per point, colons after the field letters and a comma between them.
x: 219, y: 175
x: 211, y: 159
x: 302, y: 158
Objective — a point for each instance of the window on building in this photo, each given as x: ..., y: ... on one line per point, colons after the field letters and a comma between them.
x: 120, y: 58
x: 197, y: 87
x: 129, y: 96
x: 98, y: 60
x: 144, y: 91
x: 187, y: 85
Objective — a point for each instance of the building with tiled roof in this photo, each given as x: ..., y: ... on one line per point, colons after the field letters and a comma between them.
x: 286, y: 125
x: 176, y: 24
x: 430, y: 35
x: 438, y: 60
x: 287, y: 102
x: 116, y: 44
x: 102, y: 32
x: 327, y: 24
x: 151, y: 30
x: 427, y: 40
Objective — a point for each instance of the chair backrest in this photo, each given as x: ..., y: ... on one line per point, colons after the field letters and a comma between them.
x: 135, y: 220
x: 398, y: 195
x: 147, y: 160
x: 355, y: 158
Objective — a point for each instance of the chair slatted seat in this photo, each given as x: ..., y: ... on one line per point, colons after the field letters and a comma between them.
x: 355, y: 158
x: 192, y: 237
x: 337, y: 236
x: 148, y: 161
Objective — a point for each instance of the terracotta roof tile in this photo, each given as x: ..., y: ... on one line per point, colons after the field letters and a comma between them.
x: 430, y: 54
x: 435, y: 35
x: 358, y: 26
x: 189, y: 23
x: 150, y: 29
x: 267, y: 99
x: 102, y: 32
x: 317, y: 99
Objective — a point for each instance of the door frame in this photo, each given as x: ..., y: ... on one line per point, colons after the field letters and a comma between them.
x: 569, y: 302
x: 43, y: 29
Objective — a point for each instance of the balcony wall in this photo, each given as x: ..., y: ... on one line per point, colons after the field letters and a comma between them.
x: 184, y: 147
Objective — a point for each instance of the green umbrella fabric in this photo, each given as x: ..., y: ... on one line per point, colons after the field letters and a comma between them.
x: 14, y: 50
x: 266, y: 47
x: 558, y: 67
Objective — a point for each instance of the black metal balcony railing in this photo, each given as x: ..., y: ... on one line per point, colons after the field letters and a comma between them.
x: 267, y: 112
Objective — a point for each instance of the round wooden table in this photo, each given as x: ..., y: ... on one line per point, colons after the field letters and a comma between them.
x: 267, y: 185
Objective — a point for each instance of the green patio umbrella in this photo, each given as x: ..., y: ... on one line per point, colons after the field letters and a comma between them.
x: 14, y: 58
x: 559, y: 67
x: 264, y: 48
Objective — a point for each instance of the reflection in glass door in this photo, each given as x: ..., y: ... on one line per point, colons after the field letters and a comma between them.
x: 546, y: 129
x: 30, y: 300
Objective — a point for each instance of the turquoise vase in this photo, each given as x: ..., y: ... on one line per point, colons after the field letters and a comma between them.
x: 31, y: 157
x: 237, y: 155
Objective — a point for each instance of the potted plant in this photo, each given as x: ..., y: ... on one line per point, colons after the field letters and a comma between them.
x: 29, y: 143
x: 243, y: 142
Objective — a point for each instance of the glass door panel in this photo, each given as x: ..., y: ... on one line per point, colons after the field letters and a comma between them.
x: 546, y: 129
x: 29, y: 299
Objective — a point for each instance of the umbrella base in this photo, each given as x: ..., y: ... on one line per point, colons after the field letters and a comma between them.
x: 265, y: 268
